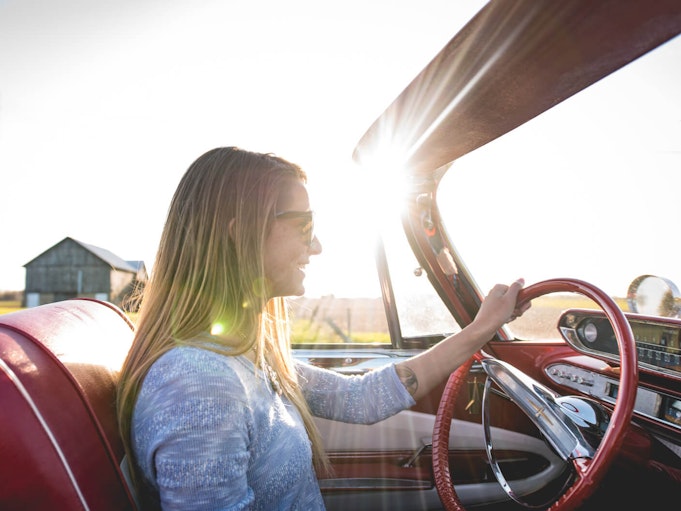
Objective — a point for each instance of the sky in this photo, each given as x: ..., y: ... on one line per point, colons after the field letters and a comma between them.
x: 104, y: 105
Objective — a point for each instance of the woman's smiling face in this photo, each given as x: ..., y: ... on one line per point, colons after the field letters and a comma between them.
x: 290, y: 243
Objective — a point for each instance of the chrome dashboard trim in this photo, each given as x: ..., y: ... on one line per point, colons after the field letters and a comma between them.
x: 648, y: 403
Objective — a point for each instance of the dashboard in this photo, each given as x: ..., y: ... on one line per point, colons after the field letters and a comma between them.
x: 658, y: 348
x: 657, y: 340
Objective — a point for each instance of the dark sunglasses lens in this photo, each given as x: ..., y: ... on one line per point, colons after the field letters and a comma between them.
x: 306, y: 219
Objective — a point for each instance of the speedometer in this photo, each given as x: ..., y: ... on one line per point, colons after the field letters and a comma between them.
x: 590, y: 332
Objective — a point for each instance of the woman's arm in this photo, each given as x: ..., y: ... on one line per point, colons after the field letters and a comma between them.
x: 422, y: 373
x: 358, y: 399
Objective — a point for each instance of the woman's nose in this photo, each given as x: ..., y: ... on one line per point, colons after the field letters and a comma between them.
x: 315, y: 246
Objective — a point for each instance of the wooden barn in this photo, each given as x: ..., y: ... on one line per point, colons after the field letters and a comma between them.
x: 72, y: 269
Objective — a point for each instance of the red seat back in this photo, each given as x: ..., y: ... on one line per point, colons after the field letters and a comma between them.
x: 59, y: 442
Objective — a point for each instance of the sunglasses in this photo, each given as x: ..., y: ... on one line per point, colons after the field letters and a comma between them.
x: 306, y: 224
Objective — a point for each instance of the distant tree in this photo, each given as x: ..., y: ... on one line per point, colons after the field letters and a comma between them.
x: 11, y: 296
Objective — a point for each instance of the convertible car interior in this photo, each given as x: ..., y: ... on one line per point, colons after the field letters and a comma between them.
x: 585, y: 414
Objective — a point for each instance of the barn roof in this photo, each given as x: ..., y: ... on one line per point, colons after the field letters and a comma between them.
x: 108, y: 257
x: 105, y: 255
x: 138, y: 265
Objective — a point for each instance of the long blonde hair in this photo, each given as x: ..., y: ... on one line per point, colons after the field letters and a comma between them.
x: 209, y: 273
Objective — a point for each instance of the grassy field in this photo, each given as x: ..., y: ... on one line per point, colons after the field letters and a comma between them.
x: 319, y: 319
x: 9, y: 306
x: 340, y: 320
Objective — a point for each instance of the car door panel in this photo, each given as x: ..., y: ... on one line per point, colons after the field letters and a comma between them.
x: 389, y: 464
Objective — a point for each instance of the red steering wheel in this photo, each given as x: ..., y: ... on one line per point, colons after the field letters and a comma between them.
x: 588, y: 468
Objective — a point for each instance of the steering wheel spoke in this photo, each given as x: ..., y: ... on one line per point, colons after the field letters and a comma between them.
x: 540, y: 404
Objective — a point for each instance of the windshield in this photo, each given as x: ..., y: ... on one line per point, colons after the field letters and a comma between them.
x: 587, y: 190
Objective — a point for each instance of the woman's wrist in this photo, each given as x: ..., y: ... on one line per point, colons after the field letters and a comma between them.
x: 482, y: 330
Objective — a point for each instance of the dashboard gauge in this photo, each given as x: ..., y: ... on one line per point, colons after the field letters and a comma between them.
x: 658, y: 341
x: 590, y: 332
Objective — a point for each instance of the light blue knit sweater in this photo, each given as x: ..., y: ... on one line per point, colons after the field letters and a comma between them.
x: 208, y: 434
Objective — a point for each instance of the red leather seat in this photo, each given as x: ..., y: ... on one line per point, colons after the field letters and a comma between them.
x: 59, y: 442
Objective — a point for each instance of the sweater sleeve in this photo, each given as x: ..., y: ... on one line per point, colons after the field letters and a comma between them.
x: 359, y: 399
x: 191, y: 436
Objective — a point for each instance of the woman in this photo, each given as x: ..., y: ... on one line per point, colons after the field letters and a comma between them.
x: 214, y: 411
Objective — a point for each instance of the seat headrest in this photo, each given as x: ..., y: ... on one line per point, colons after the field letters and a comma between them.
x: 59, y: 365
